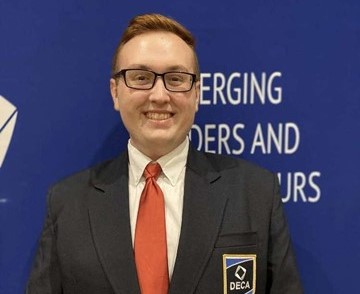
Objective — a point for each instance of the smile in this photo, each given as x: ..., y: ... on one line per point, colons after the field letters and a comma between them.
x: 158, y: 116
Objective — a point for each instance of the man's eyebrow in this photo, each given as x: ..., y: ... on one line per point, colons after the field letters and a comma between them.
x: 178, y: 68
x: 138, y: 66
x: 170, y: 68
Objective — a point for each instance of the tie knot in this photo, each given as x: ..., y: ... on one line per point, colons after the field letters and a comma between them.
x: 152, y: 170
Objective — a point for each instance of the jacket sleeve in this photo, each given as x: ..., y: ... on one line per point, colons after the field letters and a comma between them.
x: 283, y: 275
x: 45, y: 276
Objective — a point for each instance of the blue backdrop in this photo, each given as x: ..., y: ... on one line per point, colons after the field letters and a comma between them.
x: 281, y: 87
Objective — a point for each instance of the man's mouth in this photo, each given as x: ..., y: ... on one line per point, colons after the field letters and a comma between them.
x: 158, y: 115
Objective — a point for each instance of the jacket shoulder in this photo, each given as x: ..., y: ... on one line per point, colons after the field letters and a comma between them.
x: 75, y: 187
x: 229, y: 164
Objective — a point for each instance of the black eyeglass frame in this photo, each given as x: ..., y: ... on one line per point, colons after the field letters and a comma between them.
x: 123, y: 73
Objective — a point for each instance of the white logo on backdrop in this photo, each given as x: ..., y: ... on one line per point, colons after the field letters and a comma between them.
x: 8, y: 115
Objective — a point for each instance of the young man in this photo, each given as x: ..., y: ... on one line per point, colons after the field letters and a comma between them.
x: 163, y: 217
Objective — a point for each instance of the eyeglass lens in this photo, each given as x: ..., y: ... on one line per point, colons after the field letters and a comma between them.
x: 143, y: 79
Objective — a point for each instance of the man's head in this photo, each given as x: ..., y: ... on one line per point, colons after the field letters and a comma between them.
x: 145, y: 23
x: 156, y: 109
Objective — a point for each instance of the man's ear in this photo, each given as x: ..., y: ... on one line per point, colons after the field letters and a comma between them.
x: 114, y: 93
x: 197, y: 93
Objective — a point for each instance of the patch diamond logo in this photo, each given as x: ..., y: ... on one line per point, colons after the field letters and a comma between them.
x: 8, y: 115
x: 239, y: 273
x: 243, y: 270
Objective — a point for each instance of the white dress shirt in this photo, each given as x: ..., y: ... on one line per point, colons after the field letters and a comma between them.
x: 171, y: 182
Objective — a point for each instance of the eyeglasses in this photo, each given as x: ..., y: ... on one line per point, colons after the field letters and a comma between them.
x: 141, y: 79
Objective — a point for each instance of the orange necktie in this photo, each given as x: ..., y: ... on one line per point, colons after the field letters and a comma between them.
x: 150, y: 236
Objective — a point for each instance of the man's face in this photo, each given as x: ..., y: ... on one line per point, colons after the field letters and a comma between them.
x: 157, y: 120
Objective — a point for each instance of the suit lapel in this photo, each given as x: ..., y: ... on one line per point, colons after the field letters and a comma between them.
x: 204, y: 203
x: 110, y: 225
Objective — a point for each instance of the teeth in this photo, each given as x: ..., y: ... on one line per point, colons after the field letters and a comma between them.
x: 157, y: 116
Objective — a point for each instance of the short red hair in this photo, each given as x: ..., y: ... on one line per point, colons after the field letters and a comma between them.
x: 145, y: 23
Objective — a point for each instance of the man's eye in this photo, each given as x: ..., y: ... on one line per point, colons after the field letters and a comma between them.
x: 141, y: 78
x: 175, y: 78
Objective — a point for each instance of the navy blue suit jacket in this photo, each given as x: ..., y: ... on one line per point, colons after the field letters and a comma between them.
x: 230, y: 207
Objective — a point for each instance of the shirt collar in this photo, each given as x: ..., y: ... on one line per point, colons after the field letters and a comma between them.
x: 171, y: 164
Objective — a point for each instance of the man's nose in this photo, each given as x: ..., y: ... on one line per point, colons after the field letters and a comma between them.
x: 159, y: 93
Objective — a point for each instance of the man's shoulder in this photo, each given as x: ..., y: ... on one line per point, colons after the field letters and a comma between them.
x: 78, y: 183
x: 77, y: 179
x: 239, y: 177
x: 230, y: 164
x: 82, y: 177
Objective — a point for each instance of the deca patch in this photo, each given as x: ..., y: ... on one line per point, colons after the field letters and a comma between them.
x: 239, y: 273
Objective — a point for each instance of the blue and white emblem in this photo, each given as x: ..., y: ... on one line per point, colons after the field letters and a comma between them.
x: 8, y: 115
x: 239, y: 273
